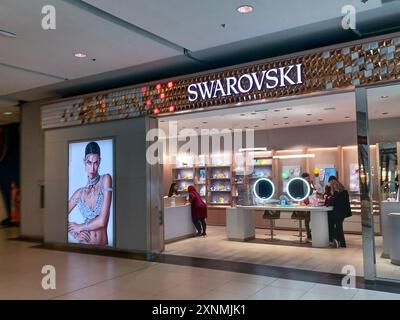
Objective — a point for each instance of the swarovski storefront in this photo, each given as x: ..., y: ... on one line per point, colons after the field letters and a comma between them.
x: 113, y: 126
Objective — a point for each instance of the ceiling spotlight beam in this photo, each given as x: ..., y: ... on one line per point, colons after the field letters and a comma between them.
x: 294, y: 156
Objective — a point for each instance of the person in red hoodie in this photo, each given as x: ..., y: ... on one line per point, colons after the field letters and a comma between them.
x: 199, y: 211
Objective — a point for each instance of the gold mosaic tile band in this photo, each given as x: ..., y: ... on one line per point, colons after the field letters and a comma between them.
x: 361, y: 64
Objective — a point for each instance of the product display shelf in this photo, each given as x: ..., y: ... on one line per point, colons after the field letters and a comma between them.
x: 219, y: 181
x: 200, y: 181
x: 184, y: 177
x: 260, y: 166
x: 355, y: 206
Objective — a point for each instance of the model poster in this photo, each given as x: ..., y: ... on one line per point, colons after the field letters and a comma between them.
x: 90, y: 193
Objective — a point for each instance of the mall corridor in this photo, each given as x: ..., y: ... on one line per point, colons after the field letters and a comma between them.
x: 86, y: 276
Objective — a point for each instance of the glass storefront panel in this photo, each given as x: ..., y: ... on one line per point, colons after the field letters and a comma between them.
x: 384, y: 135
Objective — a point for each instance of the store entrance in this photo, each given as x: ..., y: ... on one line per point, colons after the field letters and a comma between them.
x: 313, y: 138
x: 383, y: 132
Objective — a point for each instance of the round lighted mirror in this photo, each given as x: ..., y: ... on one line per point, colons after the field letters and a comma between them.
x: 298, y: 189
x: 264, y: 189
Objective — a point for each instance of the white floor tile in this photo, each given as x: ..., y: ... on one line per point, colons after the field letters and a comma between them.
x: 223, y: 295
x: 275, y: 293
x: 333, y: 292
x: 247, y: 288
x: 375, y: 295
x: 292, y: 284
x: 254, y: 278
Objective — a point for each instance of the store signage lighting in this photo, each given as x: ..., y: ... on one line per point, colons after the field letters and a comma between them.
x: 252, y: 149
x: 295, y: 156
x: 259, y: 81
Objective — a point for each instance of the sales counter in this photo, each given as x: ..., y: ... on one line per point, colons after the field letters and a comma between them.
x: 177, y: 219
x: 240, y: 222
x: 387, y: 207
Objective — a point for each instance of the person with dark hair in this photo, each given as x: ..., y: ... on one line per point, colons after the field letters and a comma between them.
x: 327, y: 203
x: 341, y: 209
x: 93, y: 201
x: 199, y: 211
x: 332, y: 178
x: 173, y: 190
x: 307, y: 214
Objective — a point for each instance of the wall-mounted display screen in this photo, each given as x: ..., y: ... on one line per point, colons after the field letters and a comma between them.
x: 90, y: 192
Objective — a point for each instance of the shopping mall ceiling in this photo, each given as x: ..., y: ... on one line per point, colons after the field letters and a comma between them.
x: 129, y: 42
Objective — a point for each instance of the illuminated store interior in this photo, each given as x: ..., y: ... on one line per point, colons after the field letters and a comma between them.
x: 316, y: 135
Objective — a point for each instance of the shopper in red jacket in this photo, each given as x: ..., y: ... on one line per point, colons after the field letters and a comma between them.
x: 199, y: 211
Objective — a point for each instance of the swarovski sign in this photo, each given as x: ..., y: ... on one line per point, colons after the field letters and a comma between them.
x: 255, y: 81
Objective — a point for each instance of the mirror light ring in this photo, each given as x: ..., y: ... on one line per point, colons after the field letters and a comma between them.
x: 301, y: 179
x: 270, y: 182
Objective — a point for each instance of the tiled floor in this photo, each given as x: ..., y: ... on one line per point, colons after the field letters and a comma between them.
x: 283, y: 253
x: 81, y: 276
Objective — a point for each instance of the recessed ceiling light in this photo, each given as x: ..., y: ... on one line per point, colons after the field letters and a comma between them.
x: 204, y: 122
x: 196, y: 127
x: 330, y: 108
x: 309, y: 114
x: 246, y: 127
x: 320, y: 119
x: 289, y: 109
x: 384, y: 113
x: 7, y: 34
x: 80, y: 55
x: 275, y: 124
x: 242, y: 114
x: 255, y: 126
x: 245, y: 9
x: 263, y: 119
x: 384, y: 97
x: 277, y: 110
x: 285, y: 117
x: 162, y: 120
x: 254, y: 113
x: 286, y: 122
x: 347, y: 117
x: 308, y: 120
x: 8, y: 113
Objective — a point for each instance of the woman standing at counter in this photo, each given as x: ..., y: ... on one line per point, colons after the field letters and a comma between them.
x: 199, y: 211
x: 173, y: 190
x: 341, y: 210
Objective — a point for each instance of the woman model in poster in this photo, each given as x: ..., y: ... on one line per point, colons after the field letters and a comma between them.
x: 93, y: 201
